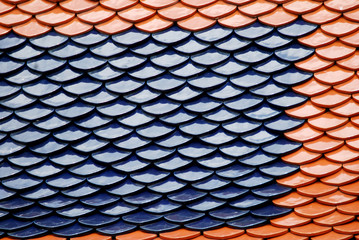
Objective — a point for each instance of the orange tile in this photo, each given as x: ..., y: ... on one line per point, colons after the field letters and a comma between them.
x: 137, y: 13
x: 302, y: 7
x: 177, y: 12
x: 352, y: 166
x: 198, y: 3
x: 243, y: 237
x: 330, y: 99
x: 201, y: 238
x: 78, y: 6
x: 266, y: 231
x: 158, y: 4
x: 314, y: 64
x: 306, y: 110
x: 257, y: 8
x: 292, y: 200
x: 279, y: 1
x: 239, y: 2
x: 304, y: 134
x: 353, y: 143
x: 310, y: 230
x: 356, y: 97
x: 349, y: 228
x: 323, y: 144
x: 341, y: 6
x: 115, y: 25
x: 36, y: 6
x: 352, y: 15
x: 343, y: 155
x: 31, y: 28
x: 96, y: 15
x: 6, y: 7
x: 311, y: 88
x: 334, y: 75
x: 320, y: 168
x: 218, y: 10
x: 4, y: 30
x: 317, y: 39
x: 296, y: 180
x: 14, y: 17
x: 55, y: 17
x: 118, y: 5
x: 301, y: 156
x: 335, y: 51
x: 332, y: 235
x: 278, y: 17
x: 236, y: 20
x: 345, y: 132
x: 75, y: 27
x: 340, y: 178
x: 138, y: 235
x: 196, y: 23
x: 351, y: 86
x: 223, y: 233
x: 290, y: 220
x: 316, y: 189
x: 46, y: 237
x: 327, y: 121
x: 336, y: 198
x: 355, y: 120
x: 314, y: 210
x: 290, y: 236
x: 321, y: 16
x: 352, y: 39
x: 341, y: 27
x: 334, y: 219
x: 93, y: 236
x: 349, y: 208
x: 154, y: 24
x: 351, y: 63
x: 352, y: 188
x: 180, y: 234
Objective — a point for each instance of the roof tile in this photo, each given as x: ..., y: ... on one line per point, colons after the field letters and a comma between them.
x: 349, y: 228
x: 340, y: 27
x: 330, y: 99
x: 342, y: 155
x: 349, y: 208
x: 278, y: 17
x: 154, y: 24
x: 341, y: 6
x: 345, y: 132
x: 340, y: 178
x: 323, y: 144
x: 304, y: 134
x: 320, y: 168
x: 334, y: 219
x: 336, y: 198
x: 352, y: 15
x: 257, y: 8
x: 118, y: 5
x: 301, y: 156
x: 75, y: 27
x: 317, y: 39
x: 314, y: 210
x: 310, y: 230
x: 236, y: 20
x: 290, y: 236
x: 158, y: 4
x: 321, y: 16
x: 335, y: 51
x: 6, y: 7
x: 223, y: 233
x: 113, y: 26
x: 137, y: 13
x: 96, y: 15
x: 198, y: 3
x: 334, y: 75
x: 292, y: 200
x: 306, y: 110
x: 31, y: 28
x: 56, y: 16
x: 36, y: 6
x: 196, y: 23
x: 218, y: 9
x: 177, y: 12
x: 327, y: 121
x: 296, y: 180
x: 353, y: 143
x: 180, y: 234
x: 317, y: 189
x: 352, y: 188
x: 332, y: 235
x: 78, y: 6
x: 314, y: 64
x: 266, y: 231
x: 14, y: 17
x: 350, y: 87
x: 301, y: 7
x: 290, y: 220
x: 352, y: 39
x: 311, y: 88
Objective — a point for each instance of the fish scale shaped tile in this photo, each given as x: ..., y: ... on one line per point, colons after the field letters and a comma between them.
x: 147, y: 131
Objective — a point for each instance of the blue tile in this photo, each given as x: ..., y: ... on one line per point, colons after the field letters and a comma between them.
x: 107, y: 49
x: 227, y: 213
x: 7, y: 170
x: 124, y: 85
x: 283, y: 123
x: 207, y: 80
x: 183, y: 215
x: 221, y: 115
x: 11, y: 40
x: 87, y: 62
x: 56, y: 202
x: 105, y: 73
x: 218, y: 138
x: 215, y: 161
x: 248, y: 201
x: 232, y: 43
x: 287, y: 100
x: 252, y: 55
x: 32, y: 213
x: 106, y: 178
x: 160, y: 107
x: 292, y: 76
x: 297, y: 29
x: 153, y: 152
x: 40, y: 88
x: 186, y: 195
x: 256, y: 179
x: 268, y: 89
x: 230, y: 192
x: 21, y: 182
x: 190, y: 46
x: 125, y: 188
x: 64, y: 75
x: 90, y: 38
x: 281, y: 147
x: 159, y: 226
x: 254, y: 30
x: 67, y: 50
x: 97, y: 220
x: 93, y: 121
x: 203, y: 224
x: 136, y: 118
x: 150, y: 175
x: 154, y: 130
x: 74, y: 110
x: 5, y: 193
x: 118, y: 209
x: 29, y: 232
x: 142, y: 198
x: 272, y: 191
x: 202, y: 105
x: 230, y: 67
x: 294, y: 52
x: 15, y: 203
x: 213, y: 34
x: 178, y: 117
x: 7, y: 65
x: 7, y: 89
x: 198, y: 127
x: 143, y: 95
x: 110, y: 155
x: 192, y: 173
x: 99, y: 200
x: 262, y: 112
x: 171, y: 35
x: 45, y: 63
x: 116, y: 228
x: 169, y: 59
x: 127, y: 60
x: 17, y: 101
x: 72, y: 231
x: 279, y: 169
x: 12, y: 124
x: 25, y: 52
x: 184, y: 93
x: 188, y: 69
x: 75, y: 211
x: 165, y: 82
x: 148, y: 48
x: 48, y: 40
x: 271, y: 65
x: 4, y: 113
x: 211, y: 183
x: 238, y: 149
x: 141, y: 217
x: 241, y: 125
x: 43, y: 191
x: 112, y: 131
x: 59, y: 99
x: 65, y: 180
x: 210, y: 57
x: 258, y: 158
x: 25, y: 75
x: 206, y: 204
x: 273, y: 41
x: 173, y: 162
x: 101, y: 96
x: 247, y: 222
x: 234, y: 171
x: 26, y: 159
x: 196, y: 150
x: 45, y: 170
x: 52, y: 122
x: 246, y: 101
x: 87, y: 168
x: 166, y: 185
x: 53, y: 222
x: 130, y: 37
x: 71, y: 133
x: 270, y: 211
x: 146, y: 71
x: 132, y: 142
x: 116, y: 108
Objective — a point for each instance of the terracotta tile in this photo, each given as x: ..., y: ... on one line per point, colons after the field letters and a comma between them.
x: 301, y: 7
x: 355, y: 120
x: 266, y: 231
x: 55, y: 17
x: 310, y: 230
x: 349, y: 208
x: 118, y: 5
x: 14, y: 17
x: 196, y: 23
x: 341, y: 6
x: 321, y: 16
x: 137, y: 13
x: 138, y: 235
x: 292, y: 200
x: 257, y: 8
x: 301, y: 156
x: 47, y: 237
x: 320, y: 168
x: 333, y: 219
x: 177, y: 12
x: 335, y: 51
x: 314, y: 64
x: 339, y: 28
x: 349, y: 228
x: 352, y: 15
x: 332, y: 235
x: 290, y: 236
x: 351, y: 189
x: 154, y: 24
x: 351, y: 63
x: 223, y: 233
x: 36, y: 6
x: 316, y: 189
x: 158, y: 4
x: 31, y: 28
x: 342, y: 155
x: 306, y: 110
x: 236, y: 20
x: 314, y: 210
x: 353, y: 143
x: 352, y: 166
x: 113, y: 26
x: 198, y: 3
x: 330, y: 99
x: 345, y: 132
x: 336, y: 198
x: 218, y: 10
x: 352, y: 39
x: 290, y: 220
x: 201, y: 238
x: 327, y: 121
x: 96, y: 15
x: 334, y: 75
x: 75, y: 27
x: 180, y: 234
x: 296, y: 180
x: 78, y: 6
x: 278, y: 17
x: 4, y: 30
x: 92, y: 236
x: 6, y: 7
x: 317, y: 39
x: 304, y: 134
x: 239, y: 2
x: 243, y: 237
x: 279, y: 1
x: 340, y: 178
x: 311, y: 88
x: 351, y: 86
x: 356, y: 97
